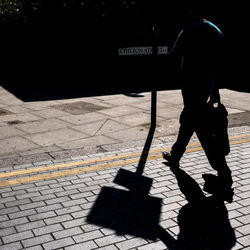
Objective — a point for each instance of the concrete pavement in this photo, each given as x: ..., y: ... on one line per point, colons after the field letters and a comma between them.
x: 52, y: 130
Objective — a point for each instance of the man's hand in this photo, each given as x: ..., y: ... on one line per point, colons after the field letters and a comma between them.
x: 214, y: 97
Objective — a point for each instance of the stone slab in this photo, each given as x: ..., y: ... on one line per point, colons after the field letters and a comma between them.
x: 87, y: 142
x: 55, y: 137
x: 15, y: 144
x: 8, y: 131
x: 101, y: 127
x: 120, y: 111
x: 84, y: 118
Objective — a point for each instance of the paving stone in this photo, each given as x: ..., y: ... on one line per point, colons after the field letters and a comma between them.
x: 6, y: 132
x: 110, y: 247
x: 43, y: 197
x: 84, y: 118
x: 43, y: 125
x: 37, y: 240
x: 58, y: 219
x: 34, y: 248
x: 17, y: 144
x: 14, y: 222
x: 245, y: 229
x: 14, y: 246
x: 107, y: 240
x: 17, y: 236
x: 68, y: 232
x: 88, y: 236
x: 41, y: 216
x: 29, y: 226
x: 7, y: 231
x: 55, y: 137
x: 43, y: 209
x: 128, y: 244
x: 56, y: 244
x: 80, y: 246
x: 47, y: 229
x: 32, y: 205
x: 91, y: 141
x: 244, y: 241
x: 121, y: 110
x: 73, y: 223
x: 152, y: 246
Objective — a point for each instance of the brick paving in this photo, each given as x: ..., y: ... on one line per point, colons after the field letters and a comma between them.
x: 91, y: 211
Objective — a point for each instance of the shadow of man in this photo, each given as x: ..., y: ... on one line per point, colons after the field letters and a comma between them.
x: 203, y: 221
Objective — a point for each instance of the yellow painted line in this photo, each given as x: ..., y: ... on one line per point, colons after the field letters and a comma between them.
x: 239, y: 136
x: 67, y: 165
x: 71, y: 172
x: 81, y: 170
x: 95, y: 161
x: 239, y: 142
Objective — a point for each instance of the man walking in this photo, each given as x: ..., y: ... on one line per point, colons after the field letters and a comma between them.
x: 199, y: 46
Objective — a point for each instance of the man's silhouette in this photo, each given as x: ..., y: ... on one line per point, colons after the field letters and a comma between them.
x: 199, y: 46
x: 203, y: 221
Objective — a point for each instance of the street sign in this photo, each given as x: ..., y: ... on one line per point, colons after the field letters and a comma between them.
x: 143, y: 51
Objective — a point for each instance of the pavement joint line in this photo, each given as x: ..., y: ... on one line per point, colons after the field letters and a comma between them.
x: 85, y: 169
x: 95, y: 161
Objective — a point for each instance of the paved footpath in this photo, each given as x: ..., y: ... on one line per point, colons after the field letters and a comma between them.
x: 99, y: 202
x: 73, y: 176
x: 49, y: 130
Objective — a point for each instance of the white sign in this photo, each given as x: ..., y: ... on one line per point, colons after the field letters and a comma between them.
x: 133, y: 51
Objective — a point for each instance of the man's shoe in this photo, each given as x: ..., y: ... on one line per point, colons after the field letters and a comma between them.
x: 168, y: 157
x: 219, y: 190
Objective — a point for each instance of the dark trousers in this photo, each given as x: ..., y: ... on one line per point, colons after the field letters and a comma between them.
x: 191, y: 121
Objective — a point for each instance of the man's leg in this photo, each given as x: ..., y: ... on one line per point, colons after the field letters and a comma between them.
x: 218, y: 162
x: 179, y: 147
x: 186, y: 131
x: 215, y: 157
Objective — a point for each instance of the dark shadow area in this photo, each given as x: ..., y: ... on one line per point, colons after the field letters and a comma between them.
x: 40, y: 92
x: 203, y: 221
x: 66, y: 49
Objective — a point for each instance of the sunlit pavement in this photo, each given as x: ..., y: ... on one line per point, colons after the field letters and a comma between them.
x: 79, y: 199
x: 56, y: 129
x: 86, y: 204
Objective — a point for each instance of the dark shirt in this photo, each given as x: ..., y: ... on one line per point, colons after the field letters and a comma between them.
x: 200, y: 47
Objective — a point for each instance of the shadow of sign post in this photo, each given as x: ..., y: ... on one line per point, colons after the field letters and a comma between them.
x: 130, y: 211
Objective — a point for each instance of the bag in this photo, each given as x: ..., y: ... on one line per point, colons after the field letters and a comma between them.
x: 218, y: 127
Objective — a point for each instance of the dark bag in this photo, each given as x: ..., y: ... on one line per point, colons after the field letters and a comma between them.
x: 218, y: 127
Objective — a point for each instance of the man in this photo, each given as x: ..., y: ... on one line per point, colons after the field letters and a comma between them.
x: 199, y: 46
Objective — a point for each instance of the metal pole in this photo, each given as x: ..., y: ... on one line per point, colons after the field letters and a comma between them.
x: 154, y: 65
